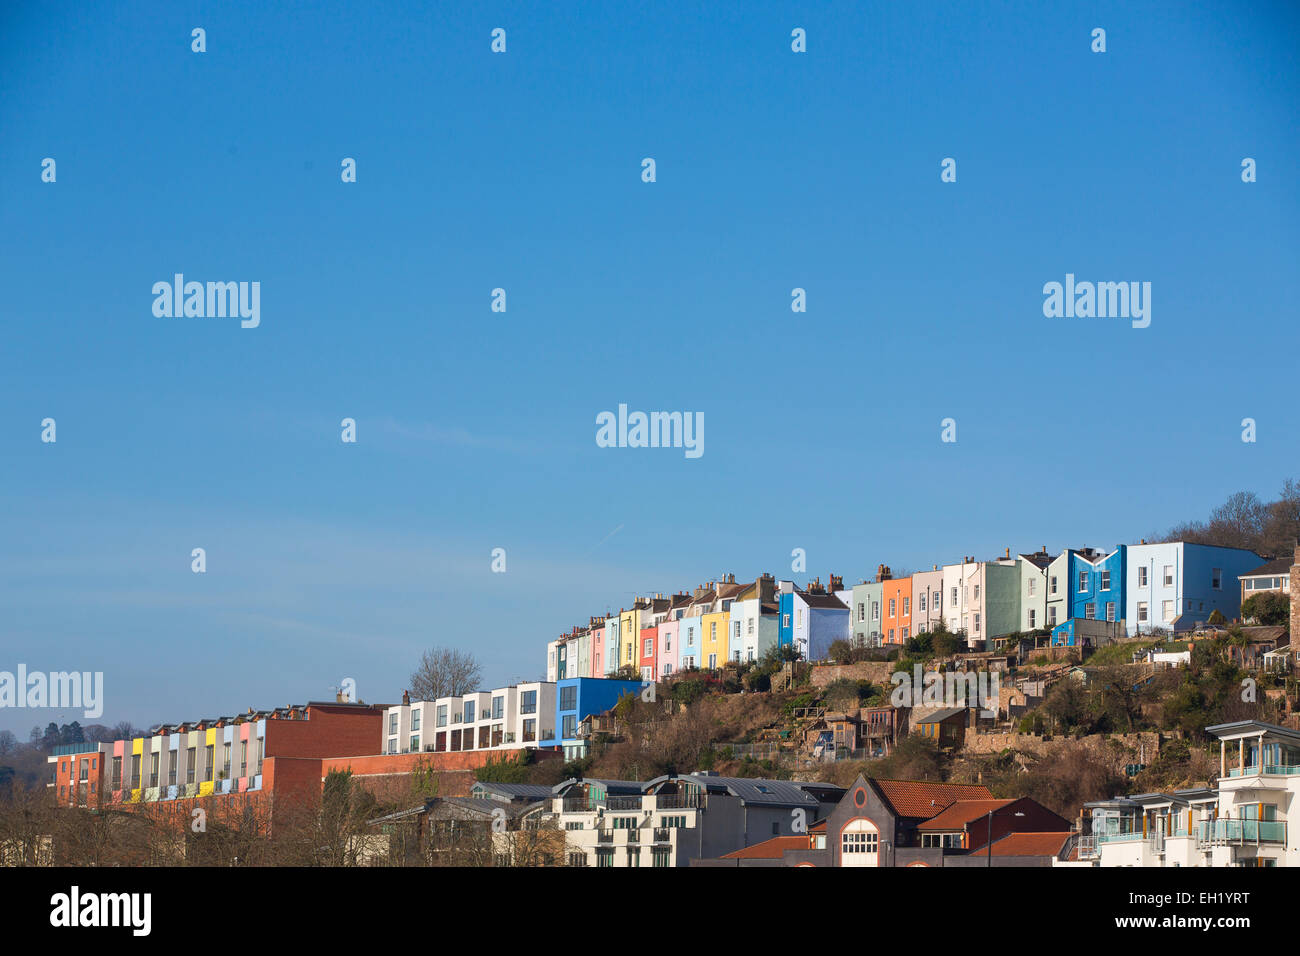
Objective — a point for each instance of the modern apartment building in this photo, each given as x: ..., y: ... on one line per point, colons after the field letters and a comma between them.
x: 672, y: 820
x: 272, y: 752
x: 1242, y: 820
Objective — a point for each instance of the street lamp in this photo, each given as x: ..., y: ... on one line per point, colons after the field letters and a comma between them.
x: 989, y: 835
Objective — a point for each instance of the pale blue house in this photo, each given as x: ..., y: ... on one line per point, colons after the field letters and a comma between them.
x: 1176, y: 585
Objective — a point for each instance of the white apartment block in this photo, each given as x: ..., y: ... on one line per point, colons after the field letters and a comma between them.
x: 517, y: 717
x: 671, y: 820
x: 1243, y: 820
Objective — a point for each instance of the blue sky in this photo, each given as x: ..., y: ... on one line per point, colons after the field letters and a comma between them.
x: 476, y: 429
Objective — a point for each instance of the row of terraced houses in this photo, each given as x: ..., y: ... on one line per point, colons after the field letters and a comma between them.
x: 1078, y: 595
x: 699, y: 819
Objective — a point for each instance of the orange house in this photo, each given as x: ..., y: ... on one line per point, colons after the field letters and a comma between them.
x: 896, y: 598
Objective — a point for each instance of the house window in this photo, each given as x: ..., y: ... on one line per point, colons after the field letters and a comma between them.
x: 861, y: 843
x: 1167, y: 609
x: 921, y: 603
x: 977, y: 592
x: 1051, y: 616
x: 1033, y: 619
x: 1033, y: 586
x: 392, y: 722
x: 891, y: 607
x: 875, y: 610
x: 907, y: 606
x: 977, y: 622
x: 441, y: 719
x: 785, y: 621
x: 1142, y: 612
x: 648, y: 645
x: 1142, y: 577
x: 1083, y: 580
x: 1090, y: 611
x: 1051, y: 586
x: 1216, y: 579
x: 569, y: 698
x: 862, y: 611
x: 713, y: 629
x: 528, y: 702
x: 1110, y: 611
x: 1169, y: 575
x: 469, y: 711
x: 1105, y: 580
x: 415, y: 718
x: 415, y: 744
x: 498, y: 708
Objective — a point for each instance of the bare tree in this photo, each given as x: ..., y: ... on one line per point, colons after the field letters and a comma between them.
x: 445, y: 672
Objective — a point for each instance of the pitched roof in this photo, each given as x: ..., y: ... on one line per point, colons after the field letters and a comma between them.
x: 823, y: 600
x: 961, y: 813
x: 941, y: 715
x: 1272, y: 568
x: 752, y: 790
x: 1030, y: 844
x: 772, y: 849
x: 923, y: 799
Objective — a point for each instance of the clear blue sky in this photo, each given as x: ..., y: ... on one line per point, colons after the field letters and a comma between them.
x: 476, y: 430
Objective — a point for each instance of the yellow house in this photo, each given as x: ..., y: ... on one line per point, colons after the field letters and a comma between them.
x: 716, y: 620
x: 629, y: 628
x: 714, y: 629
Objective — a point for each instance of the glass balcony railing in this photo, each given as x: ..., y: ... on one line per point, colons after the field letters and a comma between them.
x: 1271, y: 769
x: 1241, y: 831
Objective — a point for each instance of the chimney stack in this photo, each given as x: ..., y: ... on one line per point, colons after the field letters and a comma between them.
x: 1295, y: 600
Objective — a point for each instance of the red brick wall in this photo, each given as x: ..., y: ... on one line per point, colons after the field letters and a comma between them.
x: 327, y: 732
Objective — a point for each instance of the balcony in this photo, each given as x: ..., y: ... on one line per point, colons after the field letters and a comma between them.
x: 680, y: 801
x: 623, y: 803
x: 578, y: 805
x: 1228, y: 832
x: 604, y: 836
x: 663, y: 835
x: 1270, y: 770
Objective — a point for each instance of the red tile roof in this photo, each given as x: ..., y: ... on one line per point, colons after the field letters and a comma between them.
x: 919, y: 798
x: 961, y: 813
x: 1030, y: 844
x: 772, y: 849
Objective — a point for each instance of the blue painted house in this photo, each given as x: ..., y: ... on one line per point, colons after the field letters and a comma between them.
x: 1097, y: 585
x: 576, y: 699
x: 1175, y: 585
